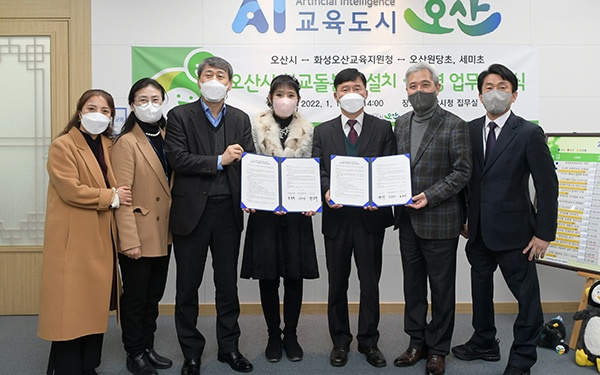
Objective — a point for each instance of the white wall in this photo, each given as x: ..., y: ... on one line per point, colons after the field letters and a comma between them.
x: 566, y: 37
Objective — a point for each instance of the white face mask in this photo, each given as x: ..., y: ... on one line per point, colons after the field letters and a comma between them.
x: 149, y: 113
x: 496, y: 102
x: 284, y: 107
x: 95, y: 122
x: 213, y: 91
x: 352, y: 102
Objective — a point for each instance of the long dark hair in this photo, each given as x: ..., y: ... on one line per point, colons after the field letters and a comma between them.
x: 74, y: 122
x: 132, y: 119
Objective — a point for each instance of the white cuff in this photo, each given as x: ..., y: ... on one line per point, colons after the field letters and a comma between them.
x: 115, y: 202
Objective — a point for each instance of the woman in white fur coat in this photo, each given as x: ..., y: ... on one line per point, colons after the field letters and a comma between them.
x: 280, y: 245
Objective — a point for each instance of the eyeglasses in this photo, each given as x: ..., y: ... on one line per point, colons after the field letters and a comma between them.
x: 143, y: 101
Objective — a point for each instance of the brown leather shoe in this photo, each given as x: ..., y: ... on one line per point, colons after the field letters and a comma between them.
x: 435, y: 365
x: 410, y: 357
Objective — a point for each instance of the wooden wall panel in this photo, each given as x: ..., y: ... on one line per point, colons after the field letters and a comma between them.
x: 80, y: 48
x: 35, y: 8
x: 20, y: 273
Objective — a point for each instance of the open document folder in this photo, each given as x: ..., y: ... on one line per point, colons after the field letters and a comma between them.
x: 271, y: 183
x: 362, y: 181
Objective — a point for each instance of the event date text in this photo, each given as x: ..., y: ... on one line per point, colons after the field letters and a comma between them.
x: 317, y: 103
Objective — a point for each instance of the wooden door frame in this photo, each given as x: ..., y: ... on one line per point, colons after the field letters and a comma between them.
x: 68, y: 24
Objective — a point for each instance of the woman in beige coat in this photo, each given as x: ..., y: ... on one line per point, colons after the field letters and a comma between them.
x: 79, y: 278
x: 144, y: 242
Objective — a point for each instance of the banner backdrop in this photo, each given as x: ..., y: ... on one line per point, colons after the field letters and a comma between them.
x: 316, y: 67
x: 315, y: 39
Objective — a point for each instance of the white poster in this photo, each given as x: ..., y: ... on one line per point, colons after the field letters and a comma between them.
x: 315, y: 67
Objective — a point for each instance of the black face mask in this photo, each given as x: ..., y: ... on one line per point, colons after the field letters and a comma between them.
x: 423, y: 101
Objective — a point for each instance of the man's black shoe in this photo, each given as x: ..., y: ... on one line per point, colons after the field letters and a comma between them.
x: 470, y: 352
x: 157, y: 360
x: 139, y: 365
x: 236, y: 360
x: 374, y: 356
x: 338, y: 356
x: 512, y: 370
x: 191, y: 366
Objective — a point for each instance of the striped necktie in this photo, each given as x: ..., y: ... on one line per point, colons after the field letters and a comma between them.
x: 352, y: 135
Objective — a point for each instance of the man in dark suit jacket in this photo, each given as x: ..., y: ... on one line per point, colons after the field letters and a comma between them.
x: 438, y: 143
x: 204, y: 144
x: 504, y: 228
x: 349, y: 230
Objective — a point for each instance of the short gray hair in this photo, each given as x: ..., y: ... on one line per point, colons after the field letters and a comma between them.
x: 216, y: 62
x: 422, y: 66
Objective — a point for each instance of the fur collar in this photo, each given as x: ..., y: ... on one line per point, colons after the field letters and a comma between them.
x: 265, y: 132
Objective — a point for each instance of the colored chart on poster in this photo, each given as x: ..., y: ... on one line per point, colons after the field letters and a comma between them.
x: 577, y: 160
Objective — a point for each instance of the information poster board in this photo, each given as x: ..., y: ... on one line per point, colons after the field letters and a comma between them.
x: 577, y: 160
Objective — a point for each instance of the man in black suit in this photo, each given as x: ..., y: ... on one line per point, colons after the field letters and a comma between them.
x: 349, y: 230
x: 429, y: 227
x: 204, y: 144
x: 504, y: 228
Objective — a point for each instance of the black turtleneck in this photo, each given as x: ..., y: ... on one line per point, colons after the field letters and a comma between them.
x: 96, y: 147
x: 94, y: 143
x: 283, y: 124
x: 156, y: 141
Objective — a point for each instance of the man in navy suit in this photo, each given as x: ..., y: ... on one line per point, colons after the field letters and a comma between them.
x: 504, y: 228
x: 349, y: 230
x: 204, y: 144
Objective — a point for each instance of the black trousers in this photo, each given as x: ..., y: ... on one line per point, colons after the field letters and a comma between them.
x: 75, y: 357
x: 433, y: 260
x: 218, y: 231
x: 521, y: 278
x: 353, y: 238
x: 292, y: 304
x: 144, y: 283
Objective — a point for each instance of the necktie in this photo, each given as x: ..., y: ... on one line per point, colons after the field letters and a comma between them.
x: 352, y: 135
x: 491, y: 139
